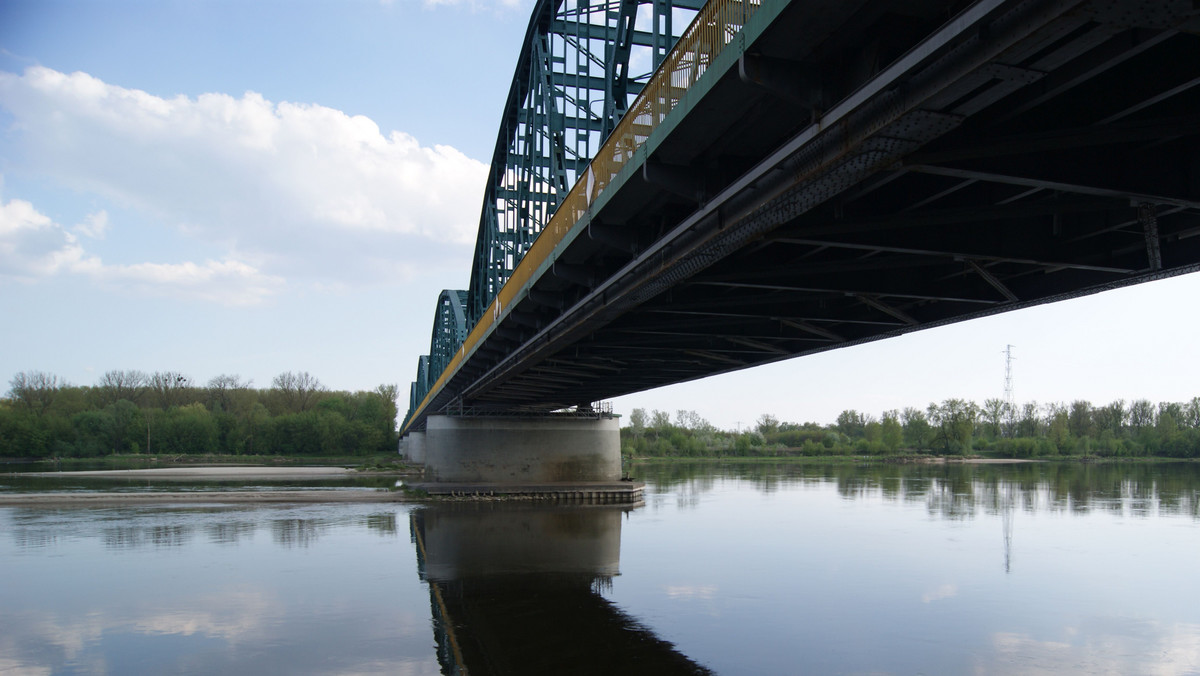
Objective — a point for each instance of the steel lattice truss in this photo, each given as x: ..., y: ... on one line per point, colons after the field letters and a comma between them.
x: 581, y: 65
x: 572, y: 84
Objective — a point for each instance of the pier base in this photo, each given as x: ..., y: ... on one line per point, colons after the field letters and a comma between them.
x: 412, y: 448
x: 536, y: 450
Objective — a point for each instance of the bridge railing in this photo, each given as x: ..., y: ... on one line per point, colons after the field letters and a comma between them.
x: 715, y: 27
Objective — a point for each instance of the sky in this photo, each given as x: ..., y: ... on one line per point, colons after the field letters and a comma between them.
x: 258, y: 187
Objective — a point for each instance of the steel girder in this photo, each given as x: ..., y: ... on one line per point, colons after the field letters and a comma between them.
x: 572, y: 83
x: 420, y: 386
x: 449, y: 332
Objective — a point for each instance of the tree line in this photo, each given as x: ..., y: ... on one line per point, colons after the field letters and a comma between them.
x: 165, y: 412
x: 952, y: 427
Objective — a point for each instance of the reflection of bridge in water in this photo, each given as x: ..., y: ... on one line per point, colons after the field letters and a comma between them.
x: 797, y: 177
x: 518, y: 589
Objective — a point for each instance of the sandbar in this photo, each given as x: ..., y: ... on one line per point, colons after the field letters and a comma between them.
x: 105, y: 498
x: 202, y: 473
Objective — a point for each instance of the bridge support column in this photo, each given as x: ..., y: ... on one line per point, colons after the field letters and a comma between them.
x: 534, y: 450
x: 412, y: 447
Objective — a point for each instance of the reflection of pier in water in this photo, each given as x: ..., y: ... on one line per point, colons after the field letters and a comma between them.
x: 517, y: 589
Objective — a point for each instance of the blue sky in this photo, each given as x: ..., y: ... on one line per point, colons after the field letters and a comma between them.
x: 257, y: 187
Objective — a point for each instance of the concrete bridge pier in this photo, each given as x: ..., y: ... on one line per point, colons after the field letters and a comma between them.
x: 522, y: 450
x: 573, y: 458
x: 412, y: 447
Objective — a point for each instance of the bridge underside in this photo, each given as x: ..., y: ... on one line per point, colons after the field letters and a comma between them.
x: 865, y: 170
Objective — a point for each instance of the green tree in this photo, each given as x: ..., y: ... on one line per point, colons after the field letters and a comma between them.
x: 918, y: 433
x: 1141, y: 415
x: 767, y: 424
x: 637, y: 422
x: 1110, y: 418
x: 93, y: 434
x: 1029, y: 423
x: 660, y: 421
x: 954, y: 424
x: 1191, y: 414
x: 994, y: 413
x: 892, y: 431
x: 188, y: 429
x: 851, y: 424
x: 256, y: 431
x: 1058, y: 428
x: 1080, y: 420
x: 389, y: 393
x: 127, y: 427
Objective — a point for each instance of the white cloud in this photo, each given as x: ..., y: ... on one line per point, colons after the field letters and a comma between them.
x: 228, y: 282
x: 32, y: 246
x: 472, y: 5
x: 293, y: 188
x: 94, y: 226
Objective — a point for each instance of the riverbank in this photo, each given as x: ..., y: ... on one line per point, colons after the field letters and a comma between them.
x: 205, y: 473
x: 105, y: 499
x: 218, y: 473
x: 125, y: 461
x: 898, y: 459
x: 839, y: 459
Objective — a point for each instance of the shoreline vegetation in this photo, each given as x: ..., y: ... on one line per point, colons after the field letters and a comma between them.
x: 142, y: 419
x: 952, y: 429
x: 165, y: 414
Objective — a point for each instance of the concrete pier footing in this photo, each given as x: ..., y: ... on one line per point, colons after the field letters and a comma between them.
x: 508, y: 450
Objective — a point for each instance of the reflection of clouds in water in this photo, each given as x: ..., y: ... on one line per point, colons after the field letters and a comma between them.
x: 1181, y: 651
x: 11, y: 667
x: 105, y: 617
x: 233, y: 616
x: 39, y: 642
x: 69, y: 635
x: 236, y: 616
x: 945, y: 591
x: 402, y: 668
x: 686, y: 592
x: 1143, y: 648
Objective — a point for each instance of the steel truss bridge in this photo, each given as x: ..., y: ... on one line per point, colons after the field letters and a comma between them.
x: 794, y: 176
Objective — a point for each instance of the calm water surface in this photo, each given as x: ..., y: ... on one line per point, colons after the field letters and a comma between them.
x: 734, y: 569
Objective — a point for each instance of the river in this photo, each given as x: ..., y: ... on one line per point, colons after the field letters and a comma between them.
x: 750, y: 568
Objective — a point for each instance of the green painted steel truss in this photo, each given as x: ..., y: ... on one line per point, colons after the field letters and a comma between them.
x: 581, y: 65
